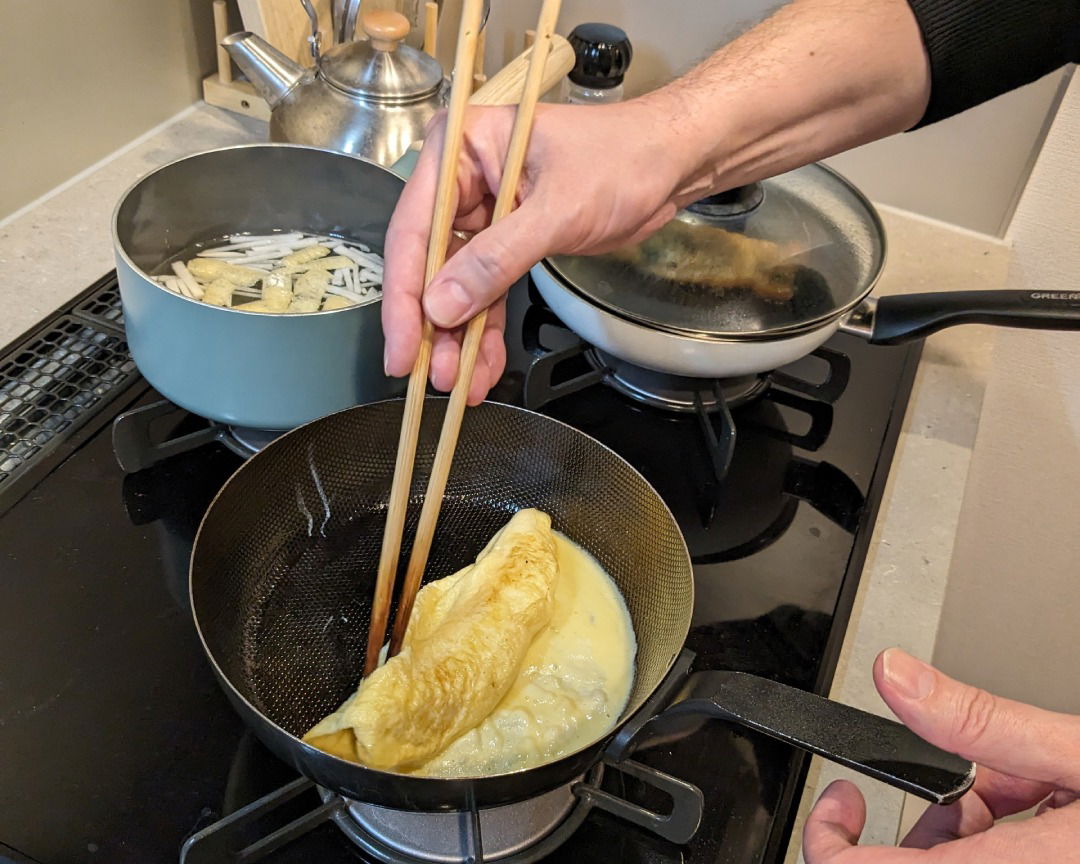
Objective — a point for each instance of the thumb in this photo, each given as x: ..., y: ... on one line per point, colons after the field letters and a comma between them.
x: 1010, y: 737
x: 485, y: 267
x: 833, y: 827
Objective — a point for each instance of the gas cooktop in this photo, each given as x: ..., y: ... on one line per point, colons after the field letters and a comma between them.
x: 117, y: 745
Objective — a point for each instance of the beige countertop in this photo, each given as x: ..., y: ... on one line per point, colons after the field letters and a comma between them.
x: 57, y: 247
x: 903, y: 586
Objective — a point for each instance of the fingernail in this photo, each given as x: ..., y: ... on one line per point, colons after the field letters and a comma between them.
x: 447, y: 304
x: 911, y: 677
x: 386, y: 361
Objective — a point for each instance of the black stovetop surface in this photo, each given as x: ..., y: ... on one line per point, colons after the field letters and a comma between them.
x: 116, y: 743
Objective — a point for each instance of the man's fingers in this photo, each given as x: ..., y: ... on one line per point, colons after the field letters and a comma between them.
x: 1060, y: 798
x: 1008, y: 736
x: 488, y: 265
x: 445, y: 352
x: 832, y: 830
x: 1005, y: 795
x: 1051, y: 838
x: 476, y: 219
x: 405, y: 255
x: 835, y: 823
x: 490, y: 360
x: 938, y: 825
x: 493, y: 343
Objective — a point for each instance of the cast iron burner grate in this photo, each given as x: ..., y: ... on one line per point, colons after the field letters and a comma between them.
x: 559, y: 372
x: 521, y: 833
x: 144, y: 436
x: 59, y: 376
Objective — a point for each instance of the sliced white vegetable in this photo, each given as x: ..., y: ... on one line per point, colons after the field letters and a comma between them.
x: 364, y: 259
x: 266, y: 252
x: 192, y: 288
x: 215, y: 253
x: 265, y: 238
x: 290, y: 271
x: 344, y: 292
x: 260, y: 261
x: 241, y: 247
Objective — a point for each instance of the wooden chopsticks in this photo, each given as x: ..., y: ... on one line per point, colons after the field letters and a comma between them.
x: 470, y: 347
x: 441, y: 223
x: 441, y: 220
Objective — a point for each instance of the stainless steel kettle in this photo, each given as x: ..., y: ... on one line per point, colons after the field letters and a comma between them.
x: 371, y: 98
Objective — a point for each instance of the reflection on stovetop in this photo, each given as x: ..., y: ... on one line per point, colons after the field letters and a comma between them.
x: 102, y: 637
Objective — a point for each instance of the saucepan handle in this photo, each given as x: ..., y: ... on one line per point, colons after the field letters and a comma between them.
x: 880, y: 748
x: 912, y: 316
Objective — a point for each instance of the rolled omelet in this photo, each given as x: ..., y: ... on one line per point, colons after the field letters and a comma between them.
x: 466, y: 640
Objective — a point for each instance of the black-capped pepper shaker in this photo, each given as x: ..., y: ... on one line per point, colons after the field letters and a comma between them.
x: 603, y: 53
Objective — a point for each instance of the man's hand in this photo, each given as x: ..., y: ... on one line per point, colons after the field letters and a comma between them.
x: 594, y: 178
x: 818, y: 77
x: 1025, y: 756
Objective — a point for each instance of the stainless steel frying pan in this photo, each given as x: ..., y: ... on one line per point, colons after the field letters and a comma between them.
x: 283, y: 569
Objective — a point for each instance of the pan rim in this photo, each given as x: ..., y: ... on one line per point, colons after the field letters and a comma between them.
x: 119, y: 249
x: 628, y: 711
x: 773, y: 334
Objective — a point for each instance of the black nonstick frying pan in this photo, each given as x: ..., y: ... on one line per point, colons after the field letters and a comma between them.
x: 283, y: 571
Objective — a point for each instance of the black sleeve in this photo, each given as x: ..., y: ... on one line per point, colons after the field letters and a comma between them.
x: 982, y: 48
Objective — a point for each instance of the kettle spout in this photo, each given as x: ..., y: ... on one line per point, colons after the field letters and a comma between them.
x: 270, y: 72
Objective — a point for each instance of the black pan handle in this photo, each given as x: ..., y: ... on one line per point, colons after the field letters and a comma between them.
x: 880, y: 748
x: 912, y: 316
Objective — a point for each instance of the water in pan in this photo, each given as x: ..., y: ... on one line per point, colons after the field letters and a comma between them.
x: 282, y: 272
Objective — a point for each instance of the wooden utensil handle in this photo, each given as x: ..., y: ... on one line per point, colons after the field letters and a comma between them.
x: 431, y: 27
x: 221, y: 30
x: 441, y: 221
x: 505, y: 86
x: 470, y: 346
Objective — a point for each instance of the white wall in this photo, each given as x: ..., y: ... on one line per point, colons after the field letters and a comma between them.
x: 79, y: 80
x: 967, y: 170
x: 1010, y: 612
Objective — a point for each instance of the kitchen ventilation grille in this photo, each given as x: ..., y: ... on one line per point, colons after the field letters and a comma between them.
x: 59, y: 376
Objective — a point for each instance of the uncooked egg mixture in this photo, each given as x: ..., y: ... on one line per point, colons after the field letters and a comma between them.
x: 517, y: 660
x: 573, y: 685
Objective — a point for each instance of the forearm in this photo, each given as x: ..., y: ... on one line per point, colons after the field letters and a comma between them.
x: 981, y: 48
x: 818, y: 77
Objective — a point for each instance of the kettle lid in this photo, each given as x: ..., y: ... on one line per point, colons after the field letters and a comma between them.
x: 382, y: 68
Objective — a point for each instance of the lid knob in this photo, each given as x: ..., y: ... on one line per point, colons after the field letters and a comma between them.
x: 603, y: 54
x: 729, y: 204
x: 385, y: 28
